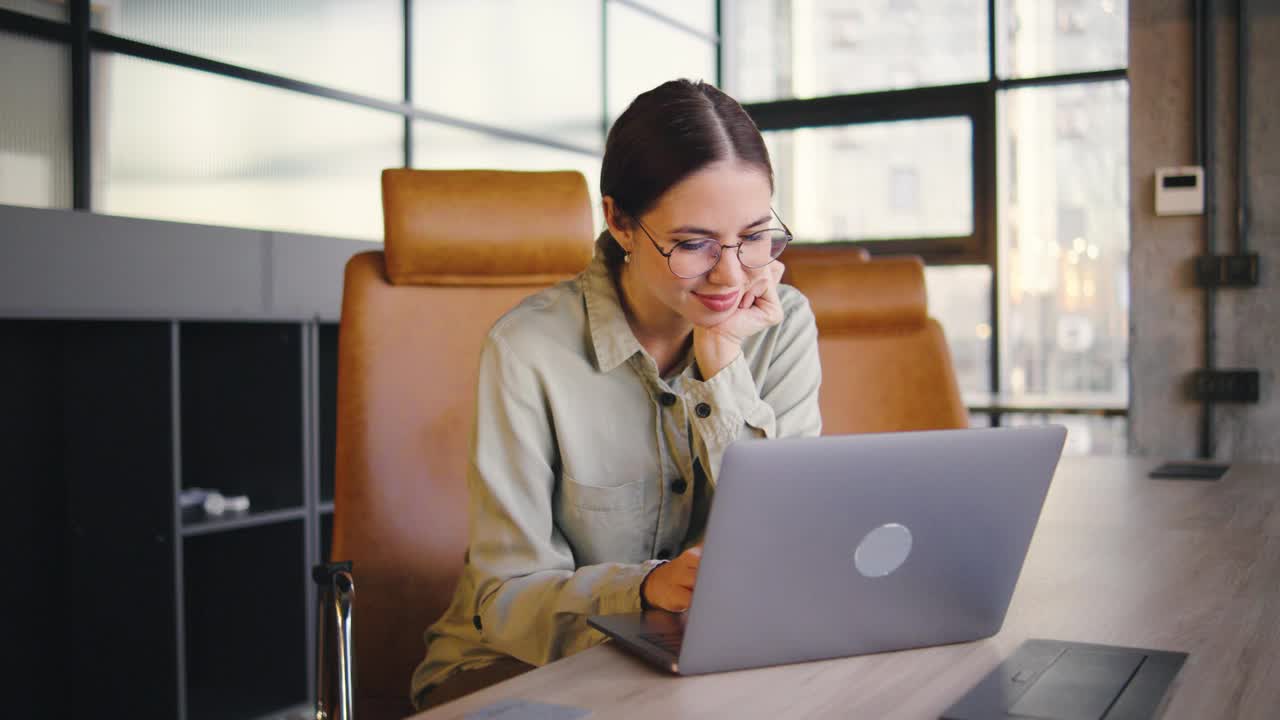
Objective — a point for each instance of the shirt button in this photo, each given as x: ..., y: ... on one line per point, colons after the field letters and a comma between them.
x: 703, y: 410
x: 667, y: 399
x: 664, y: 554
x: 678, y: 486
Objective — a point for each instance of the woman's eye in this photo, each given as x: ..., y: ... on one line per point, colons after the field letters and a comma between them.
x: 694, y: 245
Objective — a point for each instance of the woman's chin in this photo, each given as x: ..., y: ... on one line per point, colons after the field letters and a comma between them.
x: 704, y: 318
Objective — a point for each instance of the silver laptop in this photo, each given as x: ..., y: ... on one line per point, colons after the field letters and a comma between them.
x: 845, y: 545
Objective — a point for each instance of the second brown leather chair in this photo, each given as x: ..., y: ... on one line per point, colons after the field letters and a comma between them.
x: 885, y: 362
x: 462, y: 248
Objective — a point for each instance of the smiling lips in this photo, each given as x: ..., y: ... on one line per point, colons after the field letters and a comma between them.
x: 719, y: 303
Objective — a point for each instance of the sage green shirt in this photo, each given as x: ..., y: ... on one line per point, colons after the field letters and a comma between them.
x: 586, y: 466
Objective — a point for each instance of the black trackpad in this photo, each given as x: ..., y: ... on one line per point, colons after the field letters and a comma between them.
x: 1054, y: 680
x: 1080, y: 685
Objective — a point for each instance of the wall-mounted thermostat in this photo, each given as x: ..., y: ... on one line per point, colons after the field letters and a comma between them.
x: 1180, y: 190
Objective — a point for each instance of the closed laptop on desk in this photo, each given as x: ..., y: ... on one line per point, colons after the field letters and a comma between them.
x: 844, y: 545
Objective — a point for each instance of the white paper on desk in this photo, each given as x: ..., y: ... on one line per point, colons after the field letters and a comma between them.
x: 527, y: 710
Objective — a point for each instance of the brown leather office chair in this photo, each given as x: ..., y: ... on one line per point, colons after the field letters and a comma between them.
x: 462, y: 247
x: 885, y: 362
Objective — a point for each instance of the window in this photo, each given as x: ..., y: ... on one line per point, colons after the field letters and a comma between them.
x: 780, y: 49
x: 1086, y: 434
x: 644, y: 51
x: 282, y: 115
x: 35, y: 143
x: 698, y: 15
x: 903, y: 127
x: 194, y: 147
x: 1048, y: 37
x: 904, y: 179
x: 48, y: 9
x: 337, y: 43
x: 1065, y: 308
x: 960, y: 300
x: 523, y: 77
x: 904, y: 190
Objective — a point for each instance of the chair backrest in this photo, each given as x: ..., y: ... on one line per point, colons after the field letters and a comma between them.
x: 462, y: 248
x: 885, y: 363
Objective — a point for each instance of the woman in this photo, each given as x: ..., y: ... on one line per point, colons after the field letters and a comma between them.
x: 605, y: 403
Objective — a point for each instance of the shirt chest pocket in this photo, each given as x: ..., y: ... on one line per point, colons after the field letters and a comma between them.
x: 602, y: 523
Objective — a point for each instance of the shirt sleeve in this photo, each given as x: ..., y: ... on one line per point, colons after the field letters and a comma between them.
x: 776, y: 396
x: 531, y: 600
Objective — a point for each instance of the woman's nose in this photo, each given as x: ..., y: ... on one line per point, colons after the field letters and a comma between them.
x: 729, y: 271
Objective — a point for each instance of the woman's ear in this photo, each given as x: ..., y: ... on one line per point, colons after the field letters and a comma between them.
x: 619, y: 224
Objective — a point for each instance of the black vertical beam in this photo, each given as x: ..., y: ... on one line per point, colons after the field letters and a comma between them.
x: 1197, y: 73
x: 81, y: 101
x: 719, y: 44
x: 408, y: 82
x: 1204, y: 49
x: 179, y: 569
x: 604, y: 70
x: 1242, y: 127
x: 310, y: 519
x: 991, y: 39
x: 986, y: 204
x: 986, y: 169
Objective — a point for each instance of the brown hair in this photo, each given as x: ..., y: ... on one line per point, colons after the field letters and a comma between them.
x: 667, y: 134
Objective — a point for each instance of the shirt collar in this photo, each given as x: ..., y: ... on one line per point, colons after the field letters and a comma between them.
x: 611, y: 335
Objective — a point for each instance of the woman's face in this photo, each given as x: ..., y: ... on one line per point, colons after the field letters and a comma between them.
x: 723, y: 202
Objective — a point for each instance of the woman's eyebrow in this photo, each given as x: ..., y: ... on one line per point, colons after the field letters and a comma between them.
x: 693, y: 230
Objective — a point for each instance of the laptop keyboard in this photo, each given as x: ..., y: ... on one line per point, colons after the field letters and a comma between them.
x: 668, y: 641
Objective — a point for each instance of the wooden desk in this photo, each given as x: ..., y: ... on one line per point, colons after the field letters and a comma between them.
x: 1117, y: 558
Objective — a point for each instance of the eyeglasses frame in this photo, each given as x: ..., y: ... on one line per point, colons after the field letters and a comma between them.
x: 720, y: 251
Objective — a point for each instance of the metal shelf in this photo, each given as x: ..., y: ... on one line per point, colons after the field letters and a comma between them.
x: 236, y: 521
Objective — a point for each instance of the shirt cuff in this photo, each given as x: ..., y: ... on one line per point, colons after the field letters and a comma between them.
x: 720, y: 406
x: 626, y: 597
x: 654, y: 566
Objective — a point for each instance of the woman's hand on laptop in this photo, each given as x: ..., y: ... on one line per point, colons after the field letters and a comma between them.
x: 670, y: 585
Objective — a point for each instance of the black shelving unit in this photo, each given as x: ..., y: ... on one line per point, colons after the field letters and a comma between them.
x: 240, y: 588
x: 36, y: 516
x: 106, y: 423
x: 326, y: 533
x: 327, y: 393
x: 242, y: 417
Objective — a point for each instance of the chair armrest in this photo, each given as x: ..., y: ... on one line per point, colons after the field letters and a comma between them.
x: 336, y: 598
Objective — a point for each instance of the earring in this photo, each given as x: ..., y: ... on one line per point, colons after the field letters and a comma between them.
x: 626, y: 258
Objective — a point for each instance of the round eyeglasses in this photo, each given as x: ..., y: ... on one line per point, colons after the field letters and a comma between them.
x: 693, y: 258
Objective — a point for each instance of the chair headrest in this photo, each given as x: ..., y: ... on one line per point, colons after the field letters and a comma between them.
x: 485, y: 227
x: 849, y: 292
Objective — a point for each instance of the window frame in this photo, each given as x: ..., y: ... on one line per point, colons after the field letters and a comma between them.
x: 970, y: 101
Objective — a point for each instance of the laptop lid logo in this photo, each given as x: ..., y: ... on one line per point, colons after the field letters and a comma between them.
x: 883, y: 550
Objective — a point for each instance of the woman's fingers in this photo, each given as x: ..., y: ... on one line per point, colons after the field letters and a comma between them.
x: 757, y: 288
x: 686, y: 576
x: 686, y: 567
x: 670, y: 586
x: 680, y: 600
